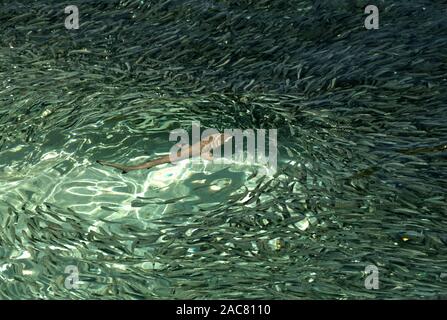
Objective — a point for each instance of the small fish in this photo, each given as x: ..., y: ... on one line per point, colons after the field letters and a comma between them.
x: 437, y: 148
x: 206, y: 145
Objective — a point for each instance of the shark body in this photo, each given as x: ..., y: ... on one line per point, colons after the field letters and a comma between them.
x: 202, y: 148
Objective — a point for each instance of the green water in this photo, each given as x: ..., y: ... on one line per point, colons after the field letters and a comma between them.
x: 362, y: 149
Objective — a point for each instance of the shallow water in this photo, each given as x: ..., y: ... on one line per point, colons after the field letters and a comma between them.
x: 362, y: 149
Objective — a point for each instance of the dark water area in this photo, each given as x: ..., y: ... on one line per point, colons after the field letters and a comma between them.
x: 361, y: 117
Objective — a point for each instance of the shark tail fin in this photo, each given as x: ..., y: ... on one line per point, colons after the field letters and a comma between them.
x: 121, y: 167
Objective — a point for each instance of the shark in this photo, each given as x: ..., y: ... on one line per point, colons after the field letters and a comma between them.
x: 203, y: 148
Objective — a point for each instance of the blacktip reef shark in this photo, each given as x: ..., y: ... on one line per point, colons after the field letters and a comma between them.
x: 202, y: 148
